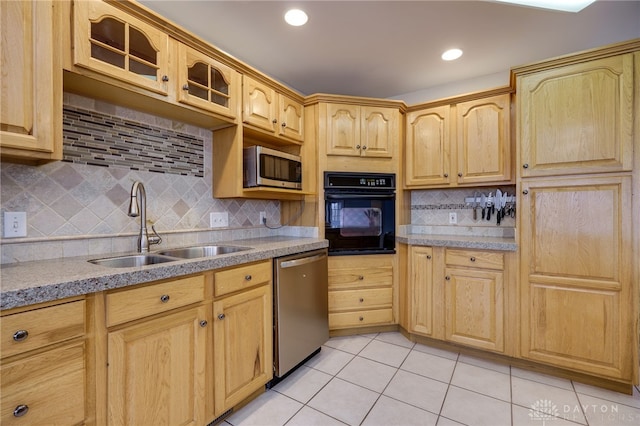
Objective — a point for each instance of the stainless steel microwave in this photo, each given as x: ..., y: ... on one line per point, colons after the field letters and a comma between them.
x: 268, y: 167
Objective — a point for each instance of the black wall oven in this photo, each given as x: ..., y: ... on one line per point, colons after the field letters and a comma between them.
x: 360, y: 213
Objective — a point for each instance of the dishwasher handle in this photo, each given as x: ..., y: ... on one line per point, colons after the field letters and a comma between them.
x: 301, y: 261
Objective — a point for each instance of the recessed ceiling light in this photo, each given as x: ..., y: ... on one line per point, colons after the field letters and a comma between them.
x: 451, y: 54
x: 296, y: 17
x: 563, y: 5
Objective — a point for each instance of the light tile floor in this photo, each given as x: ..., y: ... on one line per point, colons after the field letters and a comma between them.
x: 384, y: 379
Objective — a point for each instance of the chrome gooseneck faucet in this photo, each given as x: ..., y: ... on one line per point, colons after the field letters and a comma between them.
x: 140, y: 209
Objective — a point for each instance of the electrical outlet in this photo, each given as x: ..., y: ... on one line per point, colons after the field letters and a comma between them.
x: 263, y: 218
x: 453, y: 218
x: 219, y: 219
x: 15, y: 224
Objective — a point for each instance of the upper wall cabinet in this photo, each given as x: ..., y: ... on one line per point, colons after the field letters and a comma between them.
x: 577, y: 118
x: 206, y: 83
x: 460, y: 143
x: 110, y: 41
x: 361, y: 131
x: 271, y: 113
x: 31, y: 83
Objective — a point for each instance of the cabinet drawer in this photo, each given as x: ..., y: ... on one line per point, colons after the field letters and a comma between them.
x: 127, y: 305
x: 360, y: 299
x: 360, y: 318
x: 475, y: 259
x: 29, y: 330
x: 360, y: 277
x: 232, y: 280
x: 50, y: 384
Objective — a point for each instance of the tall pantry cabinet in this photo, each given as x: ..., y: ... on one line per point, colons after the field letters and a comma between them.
x: 578, y: 224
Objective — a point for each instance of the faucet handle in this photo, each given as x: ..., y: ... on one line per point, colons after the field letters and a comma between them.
x: 155, y: 239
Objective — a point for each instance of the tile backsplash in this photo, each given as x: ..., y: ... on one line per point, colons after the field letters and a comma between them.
x: 87, y: 194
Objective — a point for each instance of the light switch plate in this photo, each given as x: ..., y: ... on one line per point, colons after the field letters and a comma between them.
x: 15, y: 224
x: 453, y: 218
x: 219, y: 219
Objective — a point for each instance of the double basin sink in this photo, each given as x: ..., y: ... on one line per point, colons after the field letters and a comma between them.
x: 164, y: 256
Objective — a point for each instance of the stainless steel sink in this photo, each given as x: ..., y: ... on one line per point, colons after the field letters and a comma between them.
x: 132, y: 260
x: 201, y: 251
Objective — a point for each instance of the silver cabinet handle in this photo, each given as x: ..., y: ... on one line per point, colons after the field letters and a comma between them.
x: 274, y: 121
x: 364, y: 147
x: 203, y: 323
x: 284, y: 124
x: 361, y: 318
x: 473, y: 259
x: 221, y: 316
x: 429, y: 257
x: 248, y: 277
x: 446, y: 175
x: 448, y: 278
x: 20, y: 410
x: 525, y: 166
x: 165, y: 78
x: 357, y: 146
x: 185, y: 87
x: 164, y: 298
x: 525, y: 192
x: 361, y: 277
x: 459, y: 174
x: 20, y: 335
x: 361, y: 299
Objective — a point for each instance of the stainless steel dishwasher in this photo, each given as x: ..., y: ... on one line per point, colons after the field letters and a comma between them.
x: 301, y: 308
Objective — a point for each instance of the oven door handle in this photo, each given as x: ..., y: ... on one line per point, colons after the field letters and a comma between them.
x: 359, y: 196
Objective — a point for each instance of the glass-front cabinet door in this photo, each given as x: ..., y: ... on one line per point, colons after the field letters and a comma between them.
x: 109, y: 41
x: 206, y: 83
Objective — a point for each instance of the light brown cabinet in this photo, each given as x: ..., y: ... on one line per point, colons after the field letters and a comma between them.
x: 577, y: 118
x: 576, y: 288
x: 163, y: 338
x: 459, y: 143
x: 43, y: 365
x: 360, y: 291
x: 31, y: 84
x: 274, y: 113
x: 422, y: 313
x: 243, y: 334
x: 361, y: 131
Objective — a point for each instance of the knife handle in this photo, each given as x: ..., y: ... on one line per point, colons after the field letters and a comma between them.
x: 498, y: 216
x: 489, y: 213
x: 475, y: 213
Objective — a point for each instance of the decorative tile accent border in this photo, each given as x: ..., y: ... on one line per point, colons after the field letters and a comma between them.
x: 440, y: 206
x: 97, y: 139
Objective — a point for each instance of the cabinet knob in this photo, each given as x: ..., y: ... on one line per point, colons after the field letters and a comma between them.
x: 459, y: 174
x: 284, y: 124
x: 274, y: 121
x: 525, y: 192
x: 357, y: 146
x: 446, y: 175
x: 164, y: 298
x: 165, y: 78
x: 525, y: 166
x: 361, y: 277
x: 185, y: 87
x: 473, y: 259
x: 361, y: 318
x: 20, y: 335
x: 248, y: 277
x: 20, y: 410
x: 364, y: 147
x: 203, y: 323
x: 429, y: 257
x: 221, y: 316
x: 361, y: 299
x: 448, y: 278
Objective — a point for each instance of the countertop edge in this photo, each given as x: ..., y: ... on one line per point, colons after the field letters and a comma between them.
x: 455, y: 241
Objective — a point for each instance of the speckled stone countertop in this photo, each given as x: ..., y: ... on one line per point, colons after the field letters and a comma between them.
x: 473, y: 238
x: 34, y: 282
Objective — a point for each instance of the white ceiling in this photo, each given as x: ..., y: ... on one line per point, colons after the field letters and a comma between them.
x: 391, y: 49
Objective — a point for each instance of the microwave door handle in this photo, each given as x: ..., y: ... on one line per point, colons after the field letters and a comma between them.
x: 359, y: 196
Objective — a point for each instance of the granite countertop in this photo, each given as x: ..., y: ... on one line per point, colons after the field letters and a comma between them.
x: 34, y: 282
x: 462, y: 237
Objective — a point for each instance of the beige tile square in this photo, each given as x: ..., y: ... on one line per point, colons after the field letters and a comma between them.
x: 527, y: 417
x: 417, y: 390
x: 307, y: 416
x: 351, y: 344
x: 630, y: 400
x: 541, y: 378
x: 366, y: 373
x: 436, y: 351
x: 344, y: 401
x: 271, y: 408
x: 303, y: 383
x: 395, y: 338
x: 491, y: 365
x: 385, y: 353
x: 530, y: 394
x: 482, y: 380
x: 428, y: 365
x: 602, y: 412
x: 329, y: 360
x: 475, y: 409
x: 388, y: 411
x: 443, y: 421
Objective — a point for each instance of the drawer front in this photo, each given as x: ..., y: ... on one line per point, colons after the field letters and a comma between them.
x: 236, y: 279
x: 360, y: 318
x: 48, y: 388
x: 475, y: 259
x: 360, y: 299
x: 360, y: 277
x: 140, y: 302
x: 29, y: 330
